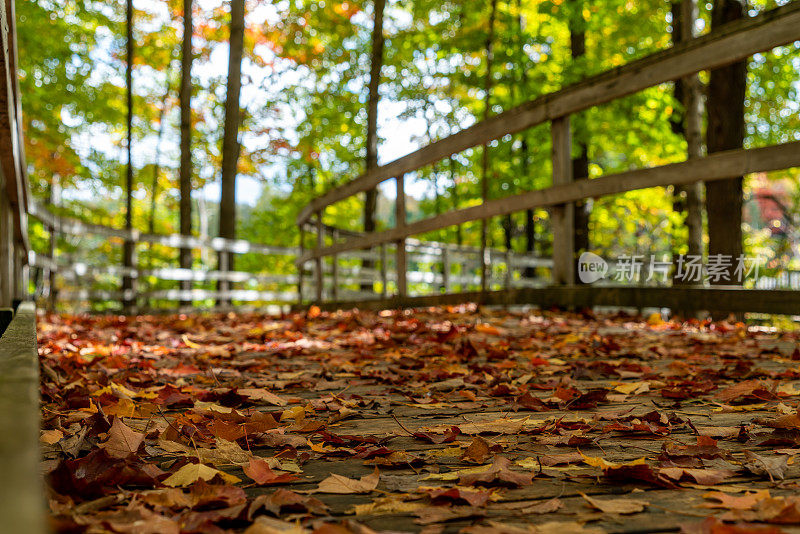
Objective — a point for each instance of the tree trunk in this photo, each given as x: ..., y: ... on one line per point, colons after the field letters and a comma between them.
x: 580, y: 164
x: 487, y: 109
x: 128, y: 252
x: 726, y: 91
x: 230, y: 143
x: 524, y: 148
x: 376, y: 65
x: 185, y: 172
x: 689, y: 124
x: 151, y: 225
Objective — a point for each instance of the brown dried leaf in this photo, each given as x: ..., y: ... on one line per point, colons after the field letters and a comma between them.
x: 343, y: 485
x: 616, y: 506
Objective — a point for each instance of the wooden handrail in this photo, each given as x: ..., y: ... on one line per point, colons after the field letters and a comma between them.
x: 22, y: 503
x: 718, y: 166
x: 730, y: 43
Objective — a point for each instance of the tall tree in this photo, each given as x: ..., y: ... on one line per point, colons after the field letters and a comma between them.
x: 689, y: 198
x: 128, y: 248
x: 230, y: 142
x: 162, y: 114
x: 185, y: 171
x: 375, y: 68
x: 580, y: 164
x: 485, y: 161
x: 524, y: 148
x: 726, y: 128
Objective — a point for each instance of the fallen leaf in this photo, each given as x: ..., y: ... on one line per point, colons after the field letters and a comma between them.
x: 264, y: 395
x: 122, y: 440
x: 343, y: 485
x: 459, y: 495
x: 773, y: 468
x: 191, y: 473
x: 498, y: 473
x: 285, y: 500
x: 734, y: 502
x: 477, y: 451
x: 50, y: 437
x: 260, y: 472
x: 440, y: 514
x: 617, y: 505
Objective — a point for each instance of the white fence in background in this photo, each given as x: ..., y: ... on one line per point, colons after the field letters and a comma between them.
x: 435, y: 267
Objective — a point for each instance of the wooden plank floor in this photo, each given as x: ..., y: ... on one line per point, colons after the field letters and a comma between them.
x: 476, y: 421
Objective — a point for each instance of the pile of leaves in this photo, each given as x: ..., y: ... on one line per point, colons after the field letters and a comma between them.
x: 456, y: 419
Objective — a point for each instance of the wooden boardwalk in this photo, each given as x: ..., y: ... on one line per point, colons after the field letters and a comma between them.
x: 476, y: 421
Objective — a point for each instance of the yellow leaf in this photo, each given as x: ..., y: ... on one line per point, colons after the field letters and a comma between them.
x: 191, y: 473
x: 635, y: 387
x: 189, y: 343
x: 596, y: 461
x: 487, y: 329
x: 202, y: 406
x: 295, y: 412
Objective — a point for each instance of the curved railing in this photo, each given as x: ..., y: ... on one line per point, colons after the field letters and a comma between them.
x: 82, y: 280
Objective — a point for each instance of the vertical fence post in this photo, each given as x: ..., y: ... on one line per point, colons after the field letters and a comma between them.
x: 563, y: 220
x: 508, y: 276
x: 334, y: 269
x: 49, y: 275
x: 400, y: 216
x: 224, y: 285
x: 483, y: 260
x: 384, y: 276
x: 6, y: 251
x: 20, y: 275
x: 320, y: 278
x: 445, y: 268
x: 301, y: 265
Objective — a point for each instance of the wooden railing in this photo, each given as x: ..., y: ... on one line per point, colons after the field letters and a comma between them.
x: 14, y: 190
x: 730, y: 43
x: 77, y: 278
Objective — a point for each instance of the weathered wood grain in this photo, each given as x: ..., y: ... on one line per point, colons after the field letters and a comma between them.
x: 21, y: 491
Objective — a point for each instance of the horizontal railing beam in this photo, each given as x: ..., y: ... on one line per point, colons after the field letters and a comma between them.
x: 732, y: 42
